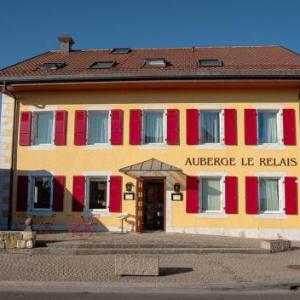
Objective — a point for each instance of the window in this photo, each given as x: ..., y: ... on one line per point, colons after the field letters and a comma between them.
x: 51, y: 66
x: 42, y: 128
x: 155, y: 62
x: 120, y: 51
x: 97, y: 127
x: 267, y: 127
x: 209, y: 127
x: 268, y: 194
x: 210, y: 63
x: 153, y: 127
x: 102, y: 65
x: 42, y: 187
x: 210, y: 194
x: 96, y: 193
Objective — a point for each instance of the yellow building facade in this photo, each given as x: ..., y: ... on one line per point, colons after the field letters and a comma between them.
x: 154, y: 176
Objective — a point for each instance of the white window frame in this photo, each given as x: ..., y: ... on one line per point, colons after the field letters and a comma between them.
x: 31, y: 182
x: 221, y: 177
x: 281, y: 196
x: 87, y: 193
x: 164, y: 112
x: 34, y: 127
x: 279, y: 120
x: 108, y: 128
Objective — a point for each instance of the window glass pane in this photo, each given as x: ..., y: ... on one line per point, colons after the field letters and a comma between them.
x: 268, y: 194
x: 153, y: 127
x: 97, y: 193
x: 97, y: 127
x: 267, y: 127
x: 43, y: 128
x: 42, y: 192
x: 210, y: 194
x: 210, y: 127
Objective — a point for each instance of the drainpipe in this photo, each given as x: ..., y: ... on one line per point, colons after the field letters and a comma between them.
x: 13, y: 152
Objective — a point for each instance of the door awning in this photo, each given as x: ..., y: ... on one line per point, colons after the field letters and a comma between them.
x: 154, y: 168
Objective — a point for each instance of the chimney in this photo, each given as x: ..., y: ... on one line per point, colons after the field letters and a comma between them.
x: 66, y: 43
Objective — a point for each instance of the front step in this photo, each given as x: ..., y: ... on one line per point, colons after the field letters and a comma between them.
x: 102, y: 251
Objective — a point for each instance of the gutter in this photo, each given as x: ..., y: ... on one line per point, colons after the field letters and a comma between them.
x: 13, y: 156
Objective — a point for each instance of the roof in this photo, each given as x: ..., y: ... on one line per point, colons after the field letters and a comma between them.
x: 242, y: 61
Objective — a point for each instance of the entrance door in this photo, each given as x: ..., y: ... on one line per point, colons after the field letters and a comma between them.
x: 153, y: 208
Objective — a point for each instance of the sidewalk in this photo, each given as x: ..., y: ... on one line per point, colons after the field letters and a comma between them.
x: 179, y: 270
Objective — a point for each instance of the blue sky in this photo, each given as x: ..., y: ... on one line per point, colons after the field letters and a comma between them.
x: 32, y: 26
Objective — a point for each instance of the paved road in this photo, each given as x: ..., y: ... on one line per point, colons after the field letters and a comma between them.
x: 274, y: 295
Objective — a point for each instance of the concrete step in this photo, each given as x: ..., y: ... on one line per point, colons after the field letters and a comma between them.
x: 102, y: 251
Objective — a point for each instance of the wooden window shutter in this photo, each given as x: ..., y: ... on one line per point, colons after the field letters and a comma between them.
x: 58, y: 193
x: 115, y: 194
x: 172, y: 126
x: 251, y: 195
x: 25, y: 128
x: 116, y: 127
x: 230, y: 124
x: 291, y: 195
x: 78, y: 193
x: 289, y: 127
x: 80, y: 127
x: 60, y: 128
x: 231, y: 195
x: 192, y: 127
x: 192, y: 194
x: 250, y: 127
x: 22, y: 193
x: 135, y: 127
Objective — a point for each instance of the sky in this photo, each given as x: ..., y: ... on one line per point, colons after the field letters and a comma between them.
x: 30, y: 27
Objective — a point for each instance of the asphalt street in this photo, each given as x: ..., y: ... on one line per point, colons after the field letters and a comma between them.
x: 269, y: 295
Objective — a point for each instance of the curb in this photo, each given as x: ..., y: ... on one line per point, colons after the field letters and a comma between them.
x: 112, y: 251
x: 142, y: 287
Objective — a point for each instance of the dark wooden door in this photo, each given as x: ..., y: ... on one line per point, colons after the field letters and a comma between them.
x: 139, y: 205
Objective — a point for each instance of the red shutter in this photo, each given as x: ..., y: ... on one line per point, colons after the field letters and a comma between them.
x: 25, y: 128
x: 115, y: 194
x: 231, y: 195
x: 80, y: 127
x: 22, y: 193
x: 291, y: 195
x: 58, y: 193
x: 78, y: 193
x: 251, y: 195
x: 172, y: 126
x: 60, y: 127
x: 230, y: 127
x: 192, y: 127
x: 135, y: 129
x: 250, y: 127
x: 192, y: 194
x: 116, y: 127
x: 289, y: 127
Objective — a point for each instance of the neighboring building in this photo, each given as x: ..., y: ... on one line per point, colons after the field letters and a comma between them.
x: 196, y: 140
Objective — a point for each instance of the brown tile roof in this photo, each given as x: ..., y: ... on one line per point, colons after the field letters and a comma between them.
x: 237, y: 61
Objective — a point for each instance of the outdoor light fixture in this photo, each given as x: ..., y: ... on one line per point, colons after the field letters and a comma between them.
x: 128, y: 187
x: 177, y: 187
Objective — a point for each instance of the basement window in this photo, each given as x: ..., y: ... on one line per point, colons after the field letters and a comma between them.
x: 155, y: 62
x: 120, y: 51
x: 210, y: 63
x: 51, y: 66
x: 102, y: 65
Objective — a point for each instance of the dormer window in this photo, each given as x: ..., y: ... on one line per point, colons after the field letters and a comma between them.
x: 155, y: 62
x: 51, y: 66
x: 120, y: 51
x: 102, y: 65
x: 210, y: 63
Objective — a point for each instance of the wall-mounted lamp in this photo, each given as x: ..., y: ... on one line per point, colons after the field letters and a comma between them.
x: 128, y: 186
x: 177, y: 187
